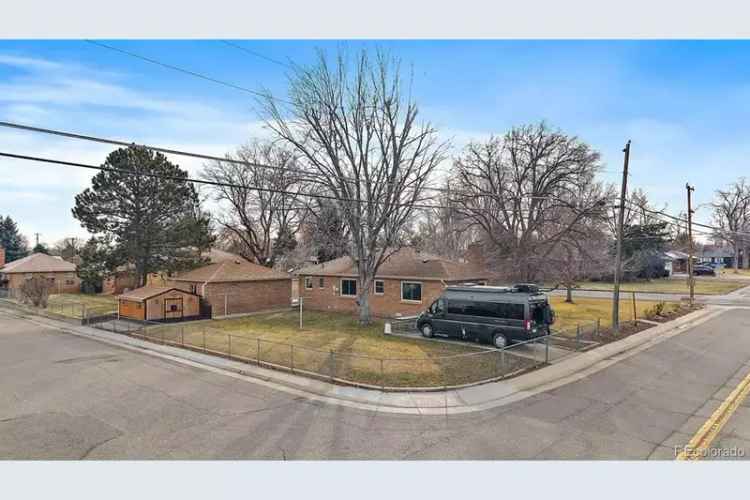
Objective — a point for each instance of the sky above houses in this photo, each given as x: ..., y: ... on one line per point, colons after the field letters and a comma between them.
x: 684, y: 105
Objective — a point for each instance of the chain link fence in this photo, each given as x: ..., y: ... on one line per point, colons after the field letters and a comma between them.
x: 438, y: 371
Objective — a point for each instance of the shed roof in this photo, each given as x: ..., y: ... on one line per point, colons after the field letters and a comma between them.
x: 38, y: 263
x: 404, y: 263
x: 229, y: 271
x: 148, y: 292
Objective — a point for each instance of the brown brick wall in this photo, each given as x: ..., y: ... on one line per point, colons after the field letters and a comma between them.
x: 243, y: 297
x: 387, y: 305
x: 60, y: 284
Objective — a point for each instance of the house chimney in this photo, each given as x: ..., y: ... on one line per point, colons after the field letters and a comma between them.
x: 2, y: 256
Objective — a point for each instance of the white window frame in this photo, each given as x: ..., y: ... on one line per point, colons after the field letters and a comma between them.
x: 341, y: 287
x: 321, y: 282
x: 421, y: 290
x: 375, y: 287
x: 308, y: 283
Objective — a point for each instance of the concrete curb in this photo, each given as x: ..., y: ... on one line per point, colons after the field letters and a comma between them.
x: 459, y: 401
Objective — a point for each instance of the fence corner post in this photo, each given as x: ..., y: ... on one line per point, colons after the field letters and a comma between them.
x: 546, y: 349
x: 333, y: 365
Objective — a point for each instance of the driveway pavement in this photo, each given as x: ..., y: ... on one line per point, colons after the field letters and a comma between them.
x: 63, y: 396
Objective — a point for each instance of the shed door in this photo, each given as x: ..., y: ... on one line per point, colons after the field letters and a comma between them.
x: 173, y: 308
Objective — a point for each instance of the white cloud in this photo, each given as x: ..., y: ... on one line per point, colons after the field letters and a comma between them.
x: 65, y: 96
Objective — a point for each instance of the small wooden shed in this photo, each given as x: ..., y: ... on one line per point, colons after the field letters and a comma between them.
x: 158, y: 304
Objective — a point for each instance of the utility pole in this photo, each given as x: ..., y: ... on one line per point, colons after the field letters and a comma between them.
x: 37, y: 238
x: 691, y: 278
x: 618, y: 255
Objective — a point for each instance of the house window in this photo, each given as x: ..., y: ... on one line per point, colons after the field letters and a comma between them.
x: 69, y: 282
x: 379, y: 287
x: 321, y: 283
x: 308, y: 283
x: 348, y: 288
x: 411, y: 291
x: 193, y: 288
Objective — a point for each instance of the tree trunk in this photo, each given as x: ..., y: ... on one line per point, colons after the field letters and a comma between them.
x: 736, y: 258
x: 569, y: 294
x: 364, y: 304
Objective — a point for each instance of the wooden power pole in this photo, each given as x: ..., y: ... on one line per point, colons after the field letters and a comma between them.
x: 691, y: 278
x: 618, y: 255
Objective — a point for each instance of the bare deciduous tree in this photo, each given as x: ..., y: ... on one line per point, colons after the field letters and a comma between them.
x: 513, y: 188
x: 444, y: 230
x: 732, y: 215
x: 36, y: 291
x: 583, y: 247
x: 358, y: 135
x: 262, y: 203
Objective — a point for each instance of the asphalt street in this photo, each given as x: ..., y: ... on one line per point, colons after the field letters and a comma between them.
x: 67, y: 397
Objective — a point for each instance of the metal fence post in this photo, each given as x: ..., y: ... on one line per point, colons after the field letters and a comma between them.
x: 162, y: 336
x: 333, y: 365
x: 382, y: 375
x: 257, y: 353
x: 182, y: 336
x: 502, y: 360
x: 597, y: 328
x: 578, y: 336
x: 546, y: 349
x: 291, y: 357
x: 230, y: 344
x: 204, y: 339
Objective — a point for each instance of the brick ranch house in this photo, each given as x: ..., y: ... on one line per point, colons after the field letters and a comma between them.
x: 405, y: 285
x: 124, y: 278
x: 235, y: 287
x: 60, y: 275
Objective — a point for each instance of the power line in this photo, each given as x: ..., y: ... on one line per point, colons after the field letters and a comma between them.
x: 115, y: 142
x: 185, y: 71
x: 256, y: 54
x: 209, y: 182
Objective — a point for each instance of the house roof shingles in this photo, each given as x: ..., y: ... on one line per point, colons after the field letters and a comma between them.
x: 404, y: 263
x: 38, y: 263
x: 147, y: 292
x: 230, y: 271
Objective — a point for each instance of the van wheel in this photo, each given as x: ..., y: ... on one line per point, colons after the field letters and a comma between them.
x: 500, y: 341
x: 427, y: 330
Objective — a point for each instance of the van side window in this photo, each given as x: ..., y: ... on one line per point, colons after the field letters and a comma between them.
x: 438, y: 307
x: 457, y: 306
x: 511, y: 311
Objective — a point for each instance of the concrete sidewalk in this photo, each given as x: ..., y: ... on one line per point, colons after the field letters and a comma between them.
x: 465, y: 400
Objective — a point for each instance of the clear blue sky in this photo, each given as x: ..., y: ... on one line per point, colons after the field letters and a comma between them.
x: 684, y: 104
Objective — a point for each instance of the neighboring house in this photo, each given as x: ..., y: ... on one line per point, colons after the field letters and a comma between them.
x: 213, y: 256
x: 406, y: 283
x: 716, y: 254
x: 237, y: 286
x: 122, y: 280
x: 60, y: 275
x: 158, y: 304
x: 676, y: 261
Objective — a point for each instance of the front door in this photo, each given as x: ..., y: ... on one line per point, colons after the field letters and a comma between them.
x: 173, y: 308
